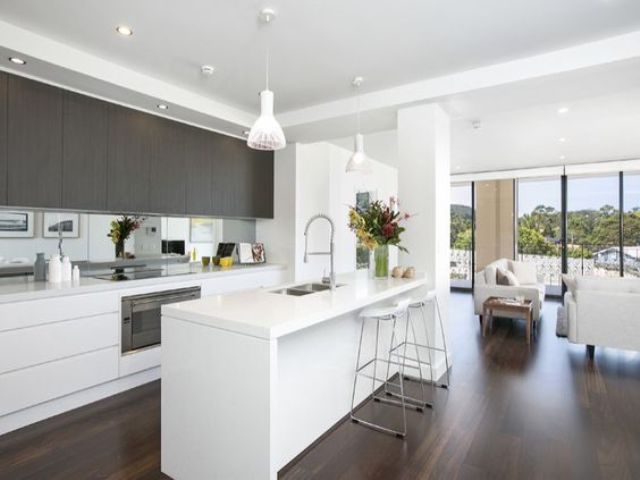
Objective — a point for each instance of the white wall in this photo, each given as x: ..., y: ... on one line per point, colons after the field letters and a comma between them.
x: 311, y: 179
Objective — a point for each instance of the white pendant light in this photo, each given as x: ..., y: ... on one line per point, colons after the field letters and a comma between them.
x: 358, y: 161
x: 266, y: 133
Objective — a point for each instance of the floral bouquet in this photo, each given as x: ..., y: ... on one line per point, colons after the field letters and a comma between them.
x: 377, y: 226
x: 121, y: 230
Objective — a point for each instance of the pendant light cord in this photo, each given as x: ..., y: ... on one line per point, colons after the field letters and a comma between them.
x: 267, y: 69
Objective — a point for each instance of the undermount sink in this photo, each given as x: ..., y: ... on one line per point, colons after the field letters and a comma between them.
x: 304, y: 289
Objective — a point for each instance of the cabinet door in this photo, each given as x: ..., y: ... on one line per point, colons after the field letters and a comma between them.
x: 229, y: 192
x: 34, y: 144
x: 84, y: 152
x: 242, y: 180
x: 261, y: 165
x: 167, y: 187
x: 199, y: 171
x: 130, y: 147
x: 3, y: 138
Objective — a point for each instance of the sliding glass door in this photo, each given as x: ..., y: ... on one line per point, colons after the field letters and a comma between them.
x: 539, y: 229
x: 461, y: 236
x: 631, y: 222
x: 593, y: 225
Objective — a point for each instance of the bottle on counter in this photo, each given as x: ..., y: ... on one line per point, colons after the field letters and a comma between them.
x: 40, y: 268
x: 55, y: 269
x: 66, y: 269
x: 76, y: 274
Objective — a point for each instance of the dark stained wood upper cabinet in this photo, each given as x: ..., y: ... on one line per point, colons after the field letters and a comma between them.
x: 3, y: 138
x: 60, y: 149
x: 199, y: 171
x: 242, y: 180
x: 167, y: 186
x: 131, y: 136
x: 262, y: 176
x: 34, y: 144
x: 84, y: 152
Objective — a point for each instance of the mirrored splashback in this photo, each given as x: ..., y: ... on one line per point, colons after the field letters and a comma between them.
x: 88, y: 238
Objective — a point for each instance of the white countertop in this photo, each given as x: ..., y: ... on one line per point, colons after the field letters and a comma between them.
x: 264, y: 314
x: 19, y: 289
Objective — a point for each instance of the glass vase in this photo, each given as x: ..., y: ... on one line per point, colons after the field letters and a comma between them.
x: 120, y: 249
x: 381, y: 261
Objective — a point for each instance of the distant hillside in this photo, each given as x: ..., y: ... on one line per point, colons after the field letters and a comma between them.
x: 461, y: 210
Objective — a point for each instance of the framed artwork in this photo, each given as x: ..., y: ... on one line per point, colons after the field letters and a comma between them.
x: 56, y: 223
x: 251, y: 253
x: 16, y: 224
x: 201, y: 230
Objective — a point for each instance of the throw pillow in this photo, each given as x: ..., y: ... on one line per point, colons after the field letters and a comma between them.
x: 571, y: 283
x: 505, y: 277
x: 525, y: 272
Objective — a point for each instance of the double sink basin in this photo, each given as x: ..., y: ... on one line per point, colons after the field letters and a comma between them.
x: 304, y: 289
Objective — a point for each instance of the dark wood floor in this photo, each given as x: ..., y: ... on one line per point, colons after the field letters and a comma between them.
x: 547, y: 413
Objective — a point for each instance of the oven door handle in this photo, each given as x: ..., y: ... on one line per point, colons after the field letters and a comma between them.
x: 157, y: 303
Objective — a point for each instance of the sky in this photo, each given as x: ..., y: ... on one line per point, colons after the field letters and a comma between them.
x: 584, y: 193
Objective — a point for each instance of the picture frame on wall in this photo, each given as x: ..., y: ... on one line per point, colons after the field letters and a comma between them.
x: 202, y: 230
x: 16, y: 224
x: 56, y: 223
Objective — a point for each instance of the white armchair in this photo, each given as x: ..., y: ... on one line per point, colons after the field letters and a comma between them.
x: 530, y: 286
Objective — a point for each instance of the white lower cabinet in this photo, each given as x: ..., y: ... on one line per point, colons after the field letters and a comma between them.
x: 27, y: 347
x: 30, y: 386
x: 70, y: 347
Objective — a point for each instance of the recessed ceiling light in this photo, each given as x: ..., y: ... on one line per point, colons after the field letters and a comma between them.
x: 562, y: 139
x: 457, y: 167
x: 17, y: 61
x: 245, y: 132
x: 163, y: 106
x: 207, y: 69
x: 562, y: 157
x: 563, y: 110
x: 124, y: 30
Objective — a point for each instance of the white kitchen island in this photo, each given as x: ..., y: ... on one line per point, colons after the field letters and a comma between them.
x: 249, y: 380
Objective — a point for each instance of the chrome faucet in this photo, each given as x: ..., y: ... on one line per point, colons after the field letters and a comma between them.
x: 332, y: 275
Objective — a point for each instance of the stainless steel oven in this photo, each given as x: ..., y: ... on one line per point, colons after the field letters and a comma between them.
x: 141, y: 316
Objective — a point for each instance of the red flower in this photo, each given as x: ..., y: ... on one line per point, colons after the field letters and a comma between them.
x: 388, y: 230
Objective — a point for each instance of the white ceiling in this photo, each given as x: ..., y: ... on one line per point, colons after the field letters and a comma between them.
x: 317, y: 46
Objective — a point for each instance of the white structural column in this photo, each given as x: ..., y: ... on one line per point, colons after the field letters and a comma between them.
x: 424, y: 190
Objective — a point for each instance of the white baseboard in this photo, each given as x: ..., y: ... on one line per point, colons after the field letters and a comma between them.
x: 34, y: 414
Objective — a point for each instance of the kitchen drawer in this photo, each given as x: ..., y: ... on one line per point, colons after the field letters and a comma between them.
x: 31, y: 386
x: 26, y: 347
x: 38, y: 312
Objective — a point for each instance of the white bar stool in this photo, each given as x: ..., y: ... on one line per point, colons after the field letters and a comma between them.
x: 431, y: 298
x: 386, y: 313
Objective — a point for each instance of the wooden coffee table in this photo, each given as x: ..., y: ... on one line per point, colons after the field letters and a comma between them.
x: 510, y: 308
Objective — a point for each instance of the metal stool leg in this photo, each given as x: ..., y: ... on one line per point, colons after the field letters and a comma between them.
x: 355, y: 377
x: 444, y: 344
x: 429, y: 349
